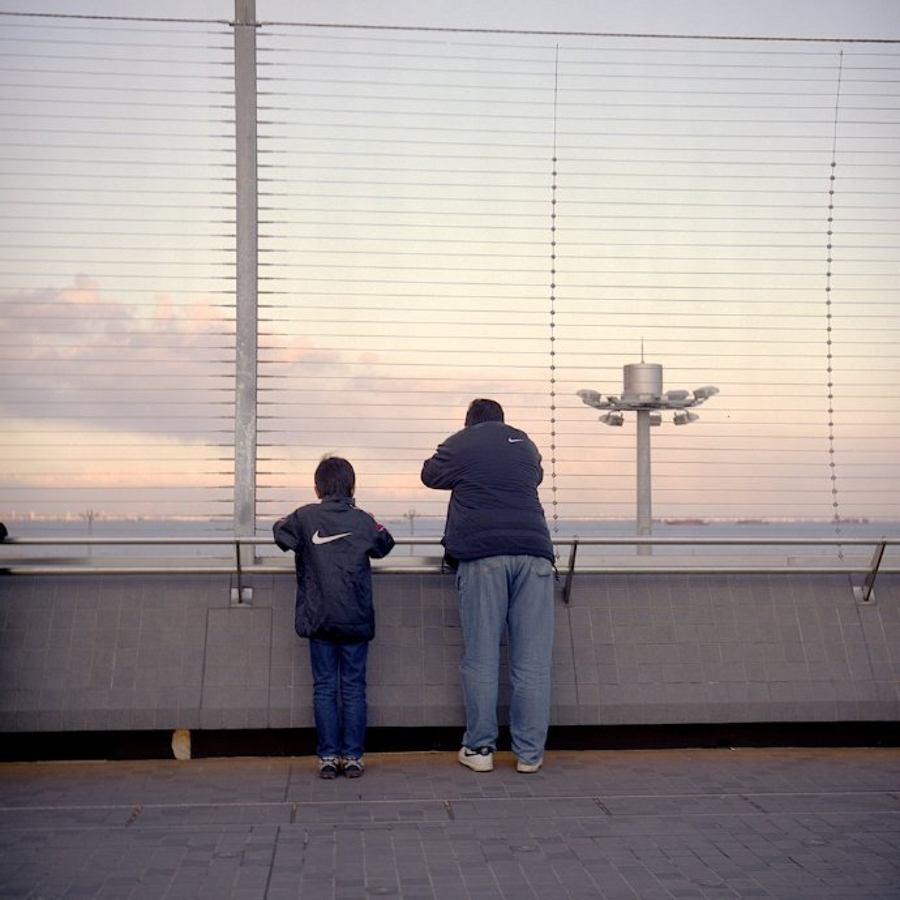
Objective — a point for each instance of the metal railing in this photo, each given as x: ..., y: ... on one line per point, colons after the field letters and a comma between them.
x: 568, y: 565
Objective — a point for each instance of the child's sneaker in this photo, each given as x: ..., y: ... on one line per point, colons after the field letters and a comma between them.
x: 479, y: 760
x: 328, y: 767
x: 352, y: 767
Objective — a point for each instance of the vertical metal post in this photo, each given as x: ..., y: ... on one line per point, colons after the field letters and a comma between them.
x: 570, y: 574
x: 866, y: 592
x: 644, y: 513
x: 246, y: 272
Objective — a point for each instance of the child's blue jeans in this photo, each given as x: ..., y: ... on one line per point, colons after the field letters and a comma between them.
x: 339, y: 697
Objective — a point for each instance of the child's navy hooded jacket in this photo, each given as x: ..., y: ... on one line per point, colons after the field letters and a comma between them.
x: 332, y: 543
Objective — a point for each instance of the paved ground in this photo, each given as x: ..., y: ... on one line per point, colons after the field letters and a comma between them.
x: 653, y: 825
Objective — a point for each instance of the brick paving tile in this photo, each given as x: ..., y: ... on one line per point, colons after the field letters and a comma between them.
x: 625, y: 825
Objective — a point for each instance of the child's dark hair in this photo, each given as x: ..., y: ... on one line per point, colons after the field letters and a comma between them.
x: 335, y: 477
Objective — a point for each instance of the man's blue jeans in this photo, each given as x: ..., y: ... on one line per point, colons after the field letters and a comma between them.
x: 514, y: 593
x: 339, y: 697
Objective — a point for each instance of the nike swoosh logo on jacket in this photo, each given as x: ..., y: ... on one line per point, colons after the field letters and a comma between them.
x: 328, y: 538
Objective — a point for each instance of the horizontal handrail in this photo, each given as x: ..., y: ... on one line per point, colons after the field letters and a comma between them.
x: 436, y: 541
x: 432, y: 564
x: 437, y: 569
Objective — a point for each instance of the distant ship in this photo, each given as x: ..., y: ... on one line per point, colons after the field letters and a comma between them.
x: 686, y: 521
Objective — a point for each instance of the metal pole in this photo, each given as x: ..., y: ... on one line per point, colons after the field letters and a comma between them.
x: 866, y: 593
x: 644, y: 514
x: 246, y: 272
x: 570, y: 575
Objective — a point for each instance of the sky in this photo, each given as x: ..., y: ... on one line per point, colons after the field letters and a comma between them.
x: 765, y: 18
x: 406, y: 263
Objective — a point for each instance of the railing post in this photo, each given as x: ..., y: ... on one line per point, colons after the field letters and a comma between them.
x: 865, y: 593
x: 570, y: 574
x: 247, y: 250
x: 239, y: 594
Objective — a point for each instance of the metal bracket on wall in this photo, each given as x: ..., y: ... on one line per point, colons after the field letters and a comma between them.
x: 865, y: 593
x: 241, y: 594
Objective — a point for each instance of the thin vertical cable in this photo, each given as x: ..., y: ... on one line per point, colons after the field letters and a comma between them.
x: 553, y: 170
x: 835, y: 503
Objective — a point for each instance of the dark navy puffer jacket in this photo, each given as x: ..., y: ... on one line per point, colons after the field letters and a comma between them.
x: 493, y: 471
x: 332, y: 543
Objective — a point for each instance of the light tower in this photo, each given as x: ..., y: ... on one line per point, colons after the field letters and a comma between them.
x: 642, y: 393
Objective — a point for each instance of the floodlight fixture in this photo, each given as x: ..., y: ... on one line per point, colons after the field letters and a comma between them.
x: 642, y: 393
x: 703, y: 393
x: 592, y: 398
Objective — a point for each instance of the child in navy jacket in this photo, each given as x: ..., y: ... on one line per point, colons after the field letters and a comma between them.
x: 332, y: 542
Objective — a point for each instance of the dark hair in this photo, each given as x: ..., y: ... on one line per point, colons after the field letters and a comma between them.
x: 483, y: 411
x: 335, y: 477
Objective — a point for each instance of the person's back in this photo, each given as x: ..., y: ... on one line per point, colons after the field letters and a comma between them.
x: 493, y: 471
x: 332, y: 542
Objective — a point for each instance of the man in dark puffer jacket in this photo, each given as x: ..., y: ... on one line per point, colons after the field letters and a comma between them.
x: 497, y: 532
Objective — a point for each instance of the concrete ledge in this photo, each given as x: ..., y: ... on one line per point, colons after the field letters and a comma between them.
x: 122, y: 653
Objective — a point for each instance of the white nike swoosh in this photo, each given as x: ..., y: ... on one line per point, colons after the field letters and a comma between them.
x: 515, y: 440
x: 327, y: 539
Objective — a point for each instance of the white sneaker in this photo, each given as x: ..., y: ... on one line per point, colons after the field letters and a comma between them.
x: 528, y: 768
x: 480, y: 760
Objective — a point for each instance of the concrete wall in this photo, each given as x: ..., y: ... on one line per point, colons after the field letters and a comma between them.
x: 120, y: 652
